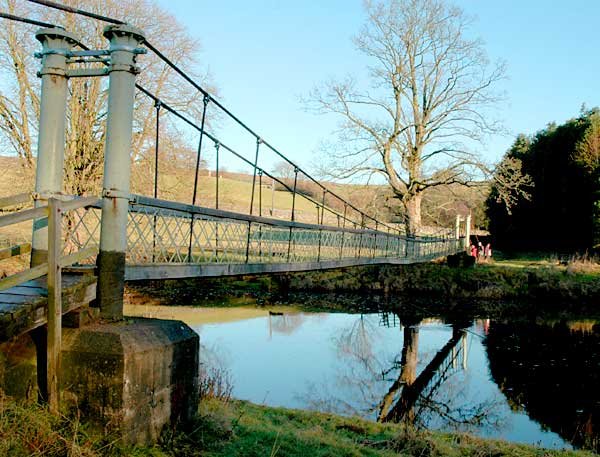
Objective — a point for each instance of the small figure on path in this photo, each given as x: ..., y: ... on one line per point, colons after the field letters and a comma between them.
x: 488, y: 252
x: 474, y: 251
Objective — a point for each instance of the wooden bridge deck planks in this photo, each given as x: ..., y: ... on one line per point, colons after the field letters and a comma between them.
x: 23, y: 307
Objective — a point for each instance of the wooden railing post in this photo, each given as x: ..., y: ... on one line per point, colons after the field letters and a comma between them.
x: 54, y: 304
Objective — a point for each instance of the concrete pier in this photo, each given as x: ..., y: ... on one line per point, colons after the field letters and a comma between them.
x: 132, y: 378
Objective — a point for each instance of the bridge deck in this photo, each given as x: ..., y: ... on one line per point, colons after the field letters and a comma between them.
x: 23, y: 307
x: 208, y: 270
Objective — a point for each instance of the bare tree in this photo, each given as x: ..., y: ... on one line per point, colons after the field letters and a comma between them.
x: 510, y: 183
x: 284, y: 170
x: 86, y: 110
x: 426, y: 107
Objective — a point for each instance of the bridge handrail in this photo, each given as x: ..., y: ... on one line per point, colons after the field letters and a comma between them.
x: 13, y: 200
x: 54, y: 206
x: 186, y: 208
x: 224, y: 214
x: 53, y: 209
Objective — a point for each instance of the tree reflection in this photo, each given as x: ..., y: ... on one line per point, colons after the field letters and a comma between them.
x: 369, y: 384
x: 552, y: 371
x: 408, y: 373
x: 285, y: 323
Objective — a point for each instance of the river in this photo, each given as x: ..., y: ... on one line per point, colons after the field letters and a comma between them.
x: 528, y: 381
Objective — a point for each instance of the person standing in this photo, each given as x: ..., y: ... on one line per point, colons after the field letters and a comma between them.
x: 488, y: 252
x: 474, y: 251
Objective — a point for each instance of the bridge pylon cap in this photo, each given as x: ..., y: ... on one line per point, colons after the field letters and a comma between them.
x: 111, y: 31
x: 57, y: 33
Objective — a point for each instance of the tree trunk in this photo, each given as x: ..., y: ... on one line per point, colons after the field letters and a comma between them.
x: 410, y: 355
x: 408, y: 370
x: 412, y: 215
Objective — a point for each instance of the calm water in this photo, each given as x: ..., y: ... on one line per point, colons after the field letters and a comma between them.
x: 532, y: 382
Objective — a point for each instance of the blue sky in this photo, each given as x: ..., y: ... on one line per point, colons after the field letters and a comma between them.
x: 264, y: 55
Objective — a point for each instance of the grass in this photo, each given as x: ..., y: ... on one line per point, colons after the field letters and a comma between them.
x: 29, y: 430
x: 580, y: 267
x: 238, y: 428
x: 541, y: 283
x: 243, y: 429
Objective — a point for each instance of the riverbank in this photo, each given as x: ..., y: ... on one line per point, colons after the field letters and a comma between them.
x: 236, y: 428
x: 489, y: 289
x: 507, y: 280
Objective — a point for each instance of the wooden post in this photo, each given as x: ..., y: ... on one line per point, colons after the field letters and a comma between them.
x: 54, y: 303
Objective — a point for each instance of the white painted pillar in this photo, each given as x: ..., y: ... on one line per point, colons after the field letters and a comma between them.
x: 457, y: 227
x: 56, y: 43
x: 467, y: 231
x: 124, y: 43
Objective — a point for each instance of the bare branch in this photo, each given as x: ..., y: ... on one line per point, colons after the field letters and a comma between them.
x: 431, y: 90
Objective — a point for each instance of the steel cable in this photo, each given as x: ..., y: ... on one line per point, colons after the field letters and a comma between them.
x: 198, y: 87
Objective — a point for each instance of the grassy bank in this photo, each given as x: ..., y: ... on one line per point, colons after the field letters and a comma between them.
x: 534, y: 285
x: 549, y: 283
x: 243, y: 429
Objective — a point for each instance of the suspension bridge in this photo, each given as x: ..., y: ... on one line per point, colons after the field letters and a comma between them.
x: 83, y: 248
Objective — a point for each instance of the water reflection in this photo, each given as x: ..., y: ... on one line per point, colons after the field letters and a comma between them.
x: 397, y: 390
x: 551, y: 370
x: 285, y: 322
x: 532, y: 382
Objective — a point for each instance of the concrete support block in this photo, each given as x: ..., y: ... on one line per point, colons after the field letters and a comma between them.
x: 133, y: 377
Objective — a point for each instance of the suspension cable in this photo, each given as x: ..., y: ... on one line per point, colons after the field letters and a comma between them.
x: 161, y: 104
x: 71, y: 9
x: 215, y: 140
x: 198, y: 87
x: 25, y: 20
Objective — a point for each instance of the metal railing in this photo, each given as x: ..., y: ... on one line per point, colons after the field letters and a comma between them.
x: 159, y: 232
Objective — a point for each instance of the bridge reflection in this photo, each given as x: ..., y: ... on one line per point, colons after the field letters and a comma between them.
x: 419, y: 385
x: 409, y: 386
x: 548, y: 371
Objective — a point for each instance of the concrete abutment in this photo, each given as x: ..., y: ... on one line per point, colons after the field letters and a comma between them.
x: 132, y: 378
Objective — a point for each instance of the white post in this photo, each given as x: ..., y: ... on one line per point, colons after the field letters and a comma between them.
x: 272, y: 195
x: 56, y: 42
x: 124, y: 41
x: 457, y: 227
x: 468, y: 231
